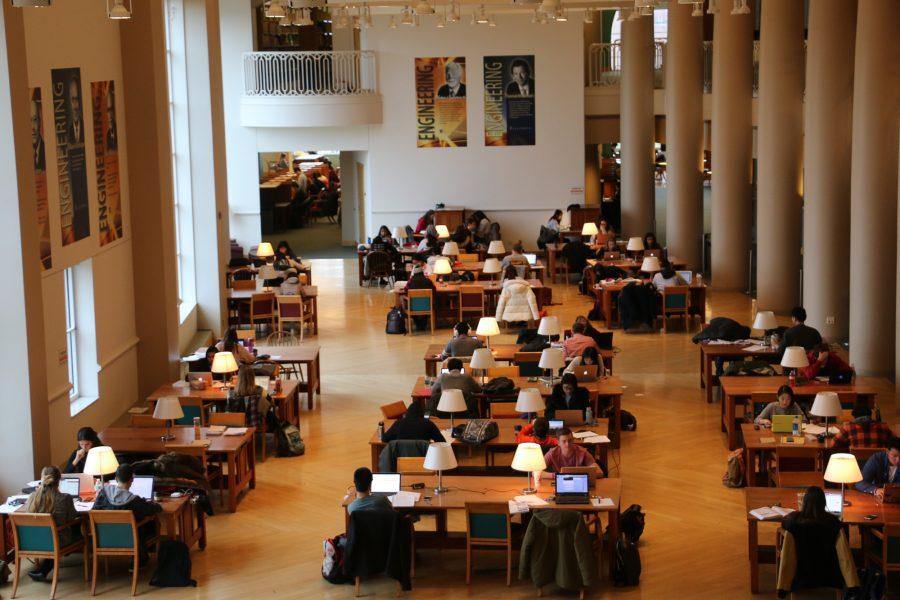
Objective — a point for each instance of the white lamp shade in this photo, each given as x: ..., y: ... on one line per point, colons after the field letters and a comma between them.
x: 549, y: 326
x: 491, y: 266
x: 528, y: 458
x: 267, y: 271
x: 442, y: 231
x: 399, y: 233
x: 635, y: 244
x: 482, y: 358
x: 440, y: 457
x: 826, y: 404
x: 794, y: 358
x: 650, y: 265
x: 842, y: 468
x: 529, y: 401
x: 450, y: 249
x: 264, y: 250
x: 101, y: 461
x: 496, y: 247
x: 223, y: 362
x: 765, y: 319
x: 168, y: 408
x: 487, y: 326
x: 552, y: 358
x: 589, y: 228
x: 452, y: 401
x: 442, y: 267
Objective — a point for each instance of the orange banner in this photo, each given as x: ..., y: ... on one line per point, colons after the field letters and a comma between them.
x: 106, y: 151
x: 441, y: 102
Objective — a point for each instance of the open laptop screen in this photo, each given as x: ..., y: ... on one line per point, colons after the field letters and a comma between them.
x: 69, y: 486
x: 571, y: 483
x: 557, y: 424
x: 531, y: 258
x: 143, y: 487
x: 833, y: 502
x: 385, y: 483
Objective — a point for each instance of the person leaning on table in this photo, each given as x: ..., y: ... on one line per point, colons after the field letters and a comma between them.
x: 881, y: 469
x: 784, y: 405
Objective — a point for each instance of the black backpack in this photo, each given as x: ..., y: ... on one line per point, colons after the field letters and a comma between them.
x: 288, y: 441
x: 479, y: 431
x: 628, y: 421
x: 396, y: 321
x: 627, y: 565
x: 499, y: 385
x: 871, y: 586
x: 173, y: 565
x: 631, y: 523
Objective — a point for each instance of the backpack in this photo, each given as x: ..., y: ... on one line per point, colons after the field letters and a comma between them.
x: 173, y: 565
x: 734, y: 471
x: 396, y: 321
x: 546, y: 236
x: 627, y: 563
x: 479, y: 431
x: 631, y: 523
x: 628, y: 421
x: 499, y: 385
x: 333, y: 563
x: 871, y: 586
x: 288, y: 441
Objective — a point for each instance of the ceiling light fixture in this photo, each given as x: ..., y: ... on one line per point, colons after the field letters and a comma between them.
x: 407, y: 17
x: 442, y: 20
x: 561, y: 15
x: 740, y: 7
x: 698, y: 9
x: 367, y: 18
x: 393, y: 23
x: 119, y: 10
x: 481, y: 17
x: 646, y: 11
x: 491, y: 22
x: 589, y: 16
x: 453, y: 15
x: 423, y: 8
x: 275, y: 10
x: 713, y: 7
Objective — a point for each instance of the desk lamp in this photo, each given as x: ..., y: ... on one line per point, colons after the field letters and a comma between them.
x: 496, y: 247
x: 842, y: 468
x: 452, y: 401
x: 399, y: 235
x: 589, y: 229
x: 487, y: 328
x: 491, y: 267
x: 482, y: 359
x: 529, y: 458
x: 442, y: 231
x: 224, y: 364
x: 168, y: 409
x: 549, y: 326
x: 552, y: 358
x: 765, y: 320
x: 440, y: 458
x: 794, y: 358
x: 450, y: 249
x: 635, y: 245
x: 100, y: 461
x: 529, y: 401
x: 826, y: 404
x: 651, y: 265
x: 442, y: 267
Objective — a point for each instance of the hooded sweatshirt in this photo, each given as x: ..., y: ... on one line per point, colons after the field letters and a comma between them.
x: 112, y: 497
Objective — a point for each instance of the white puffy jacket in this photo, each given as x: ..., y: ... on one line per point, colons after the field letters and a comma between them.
x: 517, y: 302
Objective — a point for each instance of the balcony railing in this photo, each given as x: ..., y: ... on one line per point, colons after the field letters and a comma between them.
x: 606, y: 63
x: 339, y: 73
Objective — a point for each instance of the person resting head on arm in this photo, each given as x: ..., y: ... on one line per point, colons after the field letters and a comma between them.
x: 87, y: 439
x: 538, y: 431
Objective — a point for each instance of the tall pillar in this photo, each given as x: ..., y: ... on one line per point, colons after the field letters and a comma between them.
x: 873, y: 188
x: 592, y: 175
x: 826, y: 162
x: 684, y: 135
x: 732, y: 148
x: 779, y: 198
x: 637, y: 126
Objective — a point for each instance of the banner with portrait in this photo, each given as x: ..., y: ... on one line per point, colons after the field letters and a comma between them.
x: 509, y: 101
x: 39, y: 161
x: 71, y: 162
x: 106, y: 151
x: 441, y: 102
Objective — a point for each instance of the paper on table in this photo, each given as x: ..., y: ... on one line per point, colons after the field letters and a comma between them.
x: 766, y: 440
x: 531, y: 500
x: 83, y: 506
x: 818, y: 429
x: 516, y: 508
x: 603, y: 502
x: 236, y: 431
x: 275, y: 357
x: 755, y: 348
x: 404, y: 499
x: 763, y: 513
x: 5, y: 509
x: 138, y: 410
x: 596, y: 439
x: 583, y: 434
x: 782, y: 511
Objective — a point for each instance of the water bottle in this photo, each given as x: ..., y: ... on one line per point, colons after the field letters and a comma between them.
x: 196, y: 428
x: 381, y: 430
x: 795, y: 428
x: 589, y: 415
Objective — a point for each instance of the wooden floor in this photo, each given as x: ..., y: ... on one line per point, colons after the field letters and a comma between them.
x: 694, y: 545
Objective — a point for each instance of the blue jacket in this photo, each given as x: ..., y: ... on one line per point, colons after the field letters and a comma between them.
x: 875, y: 473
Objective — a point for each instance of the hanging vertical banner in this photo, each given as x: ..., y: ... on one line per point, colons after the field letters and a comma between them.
x: 441, y: 102
x: 38, y: 157
x: 509, y: 101
x: 71, y: 162
x: 106, y: 151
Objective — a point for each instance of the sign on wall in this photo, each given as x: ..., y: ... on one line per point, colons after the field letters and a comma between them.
x: 71, y: 162
x: 509, y: 101
x: 441, y: 102
x: 106, y: 150
x: 38, y: 156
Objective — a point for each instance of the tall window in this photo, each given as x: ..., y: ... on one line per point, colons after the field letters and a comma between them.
x: 181, y: 156
x: 71, y: 339
x: 81, y: 335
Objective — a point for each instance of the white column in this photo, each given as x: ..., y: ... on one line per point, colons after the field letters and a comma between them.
x: 779, y: 156
x: 873, y: 188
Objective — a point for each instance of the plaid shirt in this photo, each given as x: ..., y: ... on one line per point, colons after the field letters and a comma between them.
x: 864, y: 433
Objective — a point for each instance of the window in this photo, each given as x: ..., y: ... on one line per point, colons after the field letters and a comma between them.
x: 71, y: 345
x: 179, y: 124
x: 81, y: 335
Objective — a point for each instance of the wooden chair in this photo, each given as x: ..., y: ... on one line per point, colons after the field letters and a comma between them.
x: 246, y: 334
x: 243, y: 284
x: 412, y: 465
x: 882, y: 547
x: 509, y: 371
x: 394, y: 410
x: 794, y: 467
x: 471, y: 301
x: 146, y: 421
x: 262, y: 309
x: 528, y: 364
x: 292, y: 309
x: 488, y: 526
x: 468, y: 258
x: 676, y: 300
x: 191, y: 407
x: 378, y: 266
x: 115, y: 533
x: 505, y: 410
x: 419, y: 303
x: 229, y: 419
x: 36, y: 536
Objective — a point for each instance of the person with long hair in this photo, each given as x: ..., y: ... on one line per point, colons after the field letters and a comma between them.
x: 247, y: 397
x: 47, y: 499
x: 424, y: 221
x: 590, y: 356
x: 87, y: 439
x: 553, y: 223
x: 650, y: 242
x: 567, y: 395
x: 230, y: 343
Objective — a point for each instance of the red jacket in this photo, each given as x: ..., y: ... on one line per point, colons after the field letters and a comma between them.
x: 527, y: 435
x: 833, y: 364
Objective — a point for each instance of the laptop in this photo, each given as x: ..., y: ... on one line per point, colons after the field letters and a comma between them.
x: 612, y: 256
x: 653, y: 252
x: 570, y: 417
x: 892, y: 493
x: 572, y: 488
x: 445, y: 370
x: 833, y: 502
x: 85, y: 482
x: 143, y: 487
x: 531, y: 258
x: 783, y: 423
x: 70, y: 486
x: 556, y: 425
x: 204, y: 376
x: 686, y: 276
x: 591, y: 472
x: 585, y: 373
x: 841, y: 378
x: 385, y: 484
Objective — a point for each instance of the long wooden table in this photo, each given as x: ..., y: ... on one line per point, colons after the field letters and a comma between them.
x: 235, y: 297
x: 464, y: 489
x: 609, y: 388
x: 738, y: 390
x: 298, y: 356
x: 239, y: 451
x: 606, y: 295
x: 710, y: 352
x: 446, y: 293
x: 860, y: 506
x: 306, y: 269
x: 755, y: 448
x: 503, y: 353
x: 505, y: 442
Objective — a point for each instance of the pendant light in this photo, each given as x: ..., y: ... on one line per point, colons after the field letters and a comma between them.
x: 407, y: 17
x: 698, y: 9
x: 119, y: 10
x: 713, y: 8
x: 453, y: 17
x: 393, y: 23
x: 740, y: 7
x: 423, y: 8
x: 589, y: 16
x: 275, y: 10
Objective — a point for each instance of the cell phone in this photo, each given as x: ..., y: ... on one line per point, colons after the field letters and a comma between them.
x: 427, y: 498
x: 870, y: 517
x: 417, y: 486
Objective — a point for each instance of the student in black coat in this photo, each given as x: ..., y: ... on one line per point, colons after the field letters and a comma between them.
x: 800, y: 334
x: 87, y: 439
x: 413, y: 426
x: 567, y: 395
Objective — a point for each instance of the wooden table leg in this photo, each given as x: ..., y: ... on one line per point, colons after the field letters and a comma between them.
x: 613, y: 537
x: 201, y: 523
x: 728, y: 401
x: 607, y: 308
x: 251, y: 464
x: 376, y: 453
x: 702, y: 368
x: 551, y: 264
x: 753, y: 549
x: 750, y: 467
x: 232, y: 480
x: 617, y: 418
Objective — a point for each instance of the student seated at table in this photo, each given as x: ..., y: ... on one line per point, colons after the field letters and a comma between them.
x: 800, y: 334
x: 424, y: 221
x: 609, y: 246
x: 285, y: 259
x: 383, y: 242
x: 880, y: 469
x: 784, y: 405
x: 87, y: 439
x: 119, y: 497
x: 413, y: 426
x: 553, y: 222
x: 667, y: 277
x: 362, y: 483
x: 823, y: 362
x: 650, y: 242
x: 516, y: 258
x: 230, y: 343
x: 567, y: 395
x: 590, y: 356
x: 47, y: 499
x: 538, y: 431
x: 247, y: 397
x: 517, y: 301
x: 578, y: 342
x: 567, y: 454
x: 863, y: 431
x: 428, y: 245
x: 454, y: 380
x: 461, y: 344
x: 418, y: 280
x: 203, y: 365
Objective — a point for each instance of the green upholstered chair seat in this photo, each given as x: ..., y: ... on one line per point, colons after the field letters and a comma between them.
x: 419, y: 304
x: 114, y: 535
x: 676, y: 301
x: 189, y: 413
x: 487, y: 526
x: 33, y: 538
